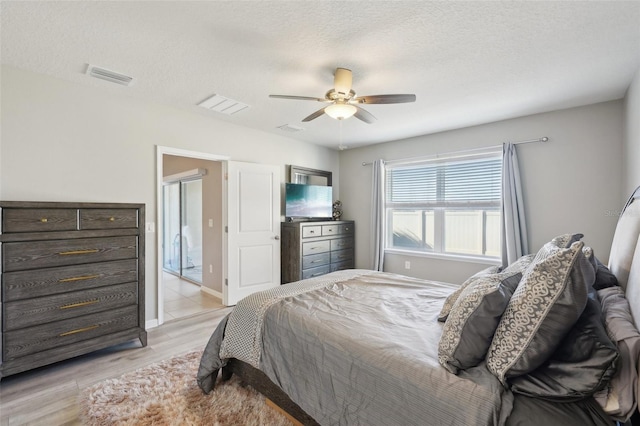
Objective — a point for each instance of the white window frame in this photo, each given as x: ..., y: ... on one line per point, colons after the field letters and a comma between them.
x: 438, y: 207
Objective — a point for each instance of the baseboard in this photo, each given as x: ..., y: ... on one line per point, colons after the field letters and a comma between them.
x: 211, y: 292
x: 151, y: 324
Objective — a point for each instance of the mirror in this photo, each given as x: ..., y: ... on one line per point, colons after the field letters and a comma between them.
x: 307, y: 176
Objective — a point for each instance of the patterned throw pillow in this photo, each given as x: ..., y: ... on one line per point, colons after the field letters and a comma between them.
x: 547, y: 303
x: 448, y: 303
x: 467, y: 334
x: 521, y: 264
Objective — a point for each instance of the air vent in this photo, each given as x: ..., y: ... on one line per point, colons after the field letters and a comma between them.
x: 108, y: 75
x: 223, y: 105
x: 290, y: 128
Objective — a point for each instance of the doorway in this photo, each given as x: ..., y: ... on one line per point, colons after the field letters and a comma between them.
x: 182, y: 213
x: 191, y: 241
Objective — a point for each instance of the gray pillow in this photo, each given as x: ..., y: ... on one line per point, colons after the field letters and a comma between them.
x: 451, y: 299
x: 467, y: 334
x: 548, y: 301
x: 583, y: 364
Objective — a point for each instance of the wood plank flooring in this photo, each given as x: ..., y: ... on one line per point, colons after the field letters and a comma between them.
x: 48, y: 395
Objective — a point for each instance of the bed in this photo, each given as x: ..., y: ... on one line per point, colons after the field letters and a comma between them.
x: 361, y: 347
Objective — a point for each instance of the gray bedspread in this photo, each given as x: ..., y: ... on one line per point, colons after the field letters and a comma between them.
x: 362, y: 349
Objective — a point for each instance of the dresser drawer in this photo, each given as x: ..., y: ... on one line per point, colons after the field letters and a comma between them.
x: 311, y: 231
x: 315, y: 247
x: 316, y: 272
x: 346, y: 229
x: 340, y: 255
x: 314, y: 260
x: 43, y: 254
x: 30, y: 340
x: 341, y: 243
x: 330, y: 229
x: 40, y: 310
x: 108, y: 218
x: 43, y: 282
x: 346, y: 264
x: 38, y: 220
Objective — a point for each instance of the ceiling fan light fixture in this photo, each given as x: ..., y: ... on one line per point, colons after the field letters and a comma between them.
x: 340, y: 111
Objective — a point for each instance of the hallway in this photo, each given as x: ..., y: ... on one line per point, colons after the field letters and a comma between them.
x: 183, y: 298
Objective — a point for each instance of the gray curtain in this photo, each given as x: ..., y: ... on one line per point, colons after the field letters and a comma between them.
x: 378, y: 224
x: 514, y: 226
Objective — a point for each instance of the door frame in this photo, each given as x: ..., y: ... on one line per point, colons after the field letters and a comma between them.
x: 160, y: 152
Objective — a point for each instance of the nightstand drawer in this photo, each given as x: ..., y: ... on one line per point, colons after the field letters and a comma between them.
x: 43, y: 254
x: 311, y: 231
x: 43, y: 282
x: 108, y: 218
x: 315, y: 260
x: 40, y: 310
x: 38, y: 220
x: 315, y: 272
x: 30, y: 340
x: 315, y: 247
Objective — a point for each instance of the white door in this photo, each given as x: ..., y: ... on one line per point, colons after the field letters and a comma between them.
x: 253, y: 230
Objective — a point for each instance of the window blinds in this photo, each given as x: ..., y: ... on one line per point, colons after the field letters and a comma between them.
x: 446, y: 183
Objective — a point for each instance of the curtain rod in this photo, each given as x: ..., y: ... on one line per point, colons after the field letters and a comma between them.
x: 542, y: 139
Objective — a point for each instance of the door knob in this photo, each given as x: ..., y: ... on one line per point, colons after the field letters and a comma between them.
x: 277, y: 237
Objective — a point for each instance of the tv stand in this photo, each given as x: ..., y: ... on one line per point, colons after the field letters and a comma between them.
x: 310, y: 249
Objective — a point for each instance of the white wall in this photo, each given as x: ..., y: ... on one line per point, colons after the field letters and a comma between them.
x: 572, y: 183
x: 632, y: 137
x: 67, y: 142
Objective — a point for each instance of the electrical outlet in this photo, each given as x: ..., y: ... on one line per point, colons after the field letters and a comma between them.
x: 407, y: 265
x: 150, y: 227
x: 210, y: 223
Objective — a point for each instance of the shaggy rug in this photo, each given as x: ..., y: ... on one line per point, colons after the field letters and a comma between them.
x: 166, y: 393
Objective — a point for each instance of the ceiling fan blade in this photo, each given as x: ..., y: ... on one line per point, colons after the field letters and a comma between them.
x: 385, y: 99
x: 315, y: 115
x: 364, y: 115
x: 342, y: 81
x: 299, y: 98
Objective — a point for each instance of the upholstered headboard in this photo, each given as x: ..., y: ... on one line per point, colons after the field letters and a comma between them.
x: 624, y: 260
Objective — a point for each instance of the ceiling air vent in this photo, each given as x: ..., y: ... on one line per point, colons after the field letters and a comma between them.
x: 108, y: 75
x: 223, y: 105
x: 290, y: 128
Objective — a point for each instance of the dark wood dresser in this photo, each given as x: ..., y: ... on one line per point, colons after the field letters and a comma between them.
x: 311, y: 249
x: 72, y: 280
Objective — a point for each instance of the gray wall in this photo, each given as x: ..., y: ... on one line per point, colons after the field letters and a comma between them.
x: 632, y: 137
x: 67, y: 142
x: 572, y: 183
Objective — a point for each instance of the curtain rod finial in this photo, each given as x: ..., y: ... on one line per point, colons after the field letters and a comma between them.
x: 544, y: 139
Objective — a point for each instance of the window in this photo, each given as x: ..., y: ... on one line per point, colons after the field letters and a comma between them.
x: 449, y: 206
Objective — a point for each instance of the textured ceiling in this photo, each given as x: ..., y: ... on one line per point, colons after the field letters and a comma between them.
x: 467, y: 62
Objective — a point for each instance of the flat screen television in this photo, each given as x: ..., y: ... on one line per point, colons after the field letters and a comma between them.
x: 308, y: 201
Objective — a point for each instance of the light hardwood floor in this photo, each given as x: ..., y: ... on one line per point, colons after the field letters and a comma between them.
x: 48, y: 395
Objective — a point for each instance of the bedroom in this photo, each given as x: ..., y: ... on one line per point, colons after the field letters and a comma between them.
x: 52, y: 130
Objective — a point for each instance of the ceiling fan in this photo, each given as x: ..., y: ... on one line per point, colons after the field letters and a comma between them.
x: 343, y: 101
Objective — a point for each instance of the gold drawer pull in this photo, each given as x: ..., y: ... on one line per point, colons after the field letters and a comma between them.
x: 79, y: 330
x: 43, y: 220
x: 85, y: 277
x: 79, y: 304
x: 65, y: 253
x: 112, y: 219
